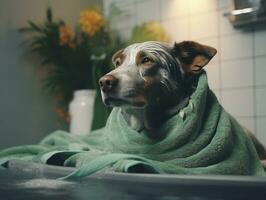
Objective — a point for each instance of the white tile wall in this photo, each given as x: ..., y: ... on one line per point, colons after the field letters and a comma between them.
x: 260, y: 70
x: 217, y: 92
x: 260, y: 128
x: 202, y: 6
x: 174, y: 9
x: 260, y: 42
x: 247, y: 122
x: 237, y: 74
x: 202, y: 22
x: 127, y: 19
x: 225, y: 25
x: 148, y: 10
x: 261, y: 101
x: 125, y: 34
x: 177, y: 28
x: 239, y: 102
x: 236, y: 46
x: 213, y: 70
x: 223, y: 4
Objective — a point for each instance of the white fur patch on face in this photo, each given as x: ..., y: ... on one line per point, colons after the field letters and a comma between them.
x: 132, y: 51
x: 150, y: 46
x: 131, y: 54
x: 132, y: 75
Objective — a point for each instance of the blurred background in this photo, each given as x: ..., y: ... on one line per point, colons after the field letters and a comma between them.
x: 236, y: 74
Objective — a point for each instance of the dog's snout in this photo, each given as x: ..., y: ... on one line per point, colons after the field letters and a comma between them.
x: 108, y: 83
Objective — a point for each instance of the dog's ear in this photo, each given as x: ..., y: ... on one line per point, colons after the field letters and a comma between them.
x: 117, y: 54
x: 192, y: 55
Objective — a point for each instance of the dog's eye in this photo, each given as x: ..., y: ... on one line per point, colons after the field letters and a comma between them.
x: 146, y: 60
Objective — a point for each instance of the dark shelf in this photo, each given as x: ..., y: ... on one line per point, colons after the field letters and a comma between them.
x: 245, y: 23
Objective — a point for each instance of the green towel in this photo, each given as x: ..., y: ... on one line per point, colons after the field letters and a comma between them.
x: 201, y: 139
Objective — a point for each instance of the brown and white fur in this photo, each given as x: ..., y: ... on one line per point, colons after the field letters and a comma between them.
x: 153, y: 80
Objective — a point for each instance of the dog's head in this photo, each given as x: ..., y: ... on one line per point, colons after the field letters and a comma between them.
x: 146, y: 72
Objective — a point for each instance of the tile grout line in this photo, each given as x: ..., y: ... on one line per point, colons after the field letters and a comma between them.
x: 219, y: 57
x: 254, y: 82
x: 189, y: 20
x: 252, y: 116
x: 160, y: 11
x: 240, y: 87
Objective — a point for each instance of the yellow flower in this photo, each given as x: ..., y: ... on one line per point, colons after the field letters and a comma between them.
x: 62, y: 113
x: 65, y: 35
x: 149, y: 31
x: 91, y: 21
x: 157, y: 31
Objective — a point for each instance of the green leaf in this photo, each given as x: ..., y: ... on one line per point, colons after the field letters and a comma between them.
x: 34, y: 26
x: 25, y: 30
x: 49, y: 15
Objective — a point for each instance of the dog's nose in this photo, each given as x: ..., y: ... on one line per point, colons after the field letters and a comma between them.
x: 107, y: 83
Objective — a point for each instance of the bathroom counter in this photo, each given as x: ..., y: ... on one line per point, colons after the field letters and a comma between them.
x: 34, y: 181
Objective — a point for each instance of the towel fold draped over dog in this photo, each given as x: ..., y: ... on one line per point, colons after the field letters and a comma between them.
x: 202, y: 138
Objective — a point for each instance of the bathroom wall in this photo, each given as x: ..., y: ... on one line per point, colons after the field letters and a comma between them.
x: 236, y: 74
x: 27, y: 113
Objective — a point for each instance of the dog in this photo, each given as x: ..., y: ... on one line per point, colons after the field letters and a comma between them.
x: 152, y: 81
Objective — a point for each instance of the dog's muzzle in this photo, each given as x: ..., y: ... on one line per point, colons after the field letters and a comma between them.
x: 108, y: 83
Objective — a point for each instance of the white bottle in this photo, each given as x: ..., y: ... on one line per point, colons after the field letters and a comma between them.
x: 81, y: 111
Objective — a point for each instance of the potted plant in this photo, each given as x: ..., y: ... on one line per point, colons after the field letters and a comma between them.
x: 73, y: 58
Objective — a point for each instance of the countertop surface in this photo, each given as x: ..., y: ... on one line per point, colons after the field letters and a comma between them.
x: 16, y: 184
